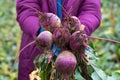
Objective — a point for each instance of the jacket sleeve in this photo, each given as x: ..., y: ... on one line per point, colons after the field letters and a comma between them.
x: 27, y: 17
x: 90, y: 15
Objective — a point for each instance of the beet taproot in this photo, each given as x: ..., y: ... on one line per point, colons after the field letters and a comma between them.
x: 72, y: 23
x: 61, y: 36
x: 65, y: 64
x: 49, y: 21
x: 44, y: 40
x: 77, y: 39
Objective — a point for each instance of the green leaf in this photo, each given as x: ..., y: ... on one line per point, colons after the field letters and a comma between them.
x: 78, y: 75
x: 91, y: 55
x: 117, y: 71
x: 95, y: 76
x: 92, y: 45
x: 99, y: 73
x: 111, y: 78
x: 114, y: 76
x: 42, y: 75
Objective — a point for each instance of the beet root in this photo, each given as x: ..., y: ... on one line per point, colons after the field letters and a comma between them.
x: 49, y: 21
x: 61, y: 36
x: 78, y: 39
x: 44, y: 40
x: 65, y: 64
x: 72, y: 23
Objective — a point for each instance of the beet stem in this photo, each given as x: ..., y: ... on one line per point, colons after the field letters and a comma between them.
x: 27, y: 46
x: 105, y: 39
x: 67, y: 14
x: 73, y: 77
x: 64, y: 77
x: 38, y: 12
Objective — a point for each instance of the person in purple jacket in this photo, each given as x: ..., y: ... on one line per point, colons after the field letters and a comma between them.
x: 88, y: 12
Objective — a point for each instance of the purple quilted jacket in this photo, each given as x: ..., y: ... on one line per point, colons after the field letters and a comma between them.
x: 88, y: 11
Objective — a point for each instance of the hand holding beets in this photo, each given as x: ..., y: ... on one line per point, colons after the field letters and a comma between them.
x: 68, y: 35
x: 61, y: 31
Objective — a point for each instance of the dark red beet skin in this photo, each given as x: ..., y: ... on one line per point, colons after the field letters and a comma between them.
x: 61, y: 36
x: 78, y: 43
x: 72, y: 23
x: 65, y: 63
x: 49, y: 21
x: 78, y: 39
x: 44, y: 39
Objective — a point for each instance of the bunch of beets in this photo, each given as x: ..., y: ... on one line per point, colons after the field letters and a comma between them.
x: 68, y: 35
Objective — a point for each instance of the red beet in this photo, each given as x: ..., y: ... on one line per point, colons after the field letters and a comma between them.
x: 78, y: 44
x: 73, y: 23
x: 49, y: 21
x: 77, y: 22
x: 61, y: 36
x: 65, y: 64
x: 44, y: 39
x: 77, y: 40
